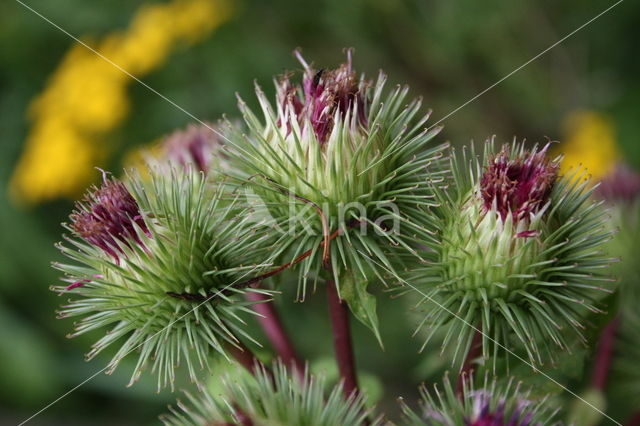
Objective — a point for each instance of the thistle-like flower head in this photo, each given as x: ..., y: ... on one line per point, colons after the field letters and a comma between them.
x: 271, y: 399
x: 163, y: 263
x: 196, y: 146
x: 343, y: 170
x: 518, y: 254
x: 489, y: 405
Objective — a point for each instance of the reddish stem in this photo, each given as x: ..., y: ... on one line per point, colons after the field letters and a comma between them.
x: 243, y: 419
x: 475, y: 351
x: 339, y: 314
x: 635, y: 420
x: 244, y: 356
x: 604, y: 354
x: 274, y: 329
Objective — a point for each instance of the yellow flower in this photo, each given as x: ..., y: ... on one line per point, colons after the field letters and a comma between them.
x: 70, y: 152
x: 86, y: 97
x: 590, y: 142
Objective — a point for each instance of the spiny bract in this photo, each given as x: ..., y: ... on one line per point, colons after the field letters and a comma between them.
x: 489, y: 405
x: 271, y: 399
x: 517, y: 254
x: 162, y: 261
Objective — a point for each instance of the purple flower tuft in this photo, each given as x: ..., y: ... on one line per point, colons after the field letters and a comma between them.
x: 107, y: 216
x: 484, y: 415
x: 520, y: 186
x: 194, y: 145
x: 622, y: 185
x: 324, y: 94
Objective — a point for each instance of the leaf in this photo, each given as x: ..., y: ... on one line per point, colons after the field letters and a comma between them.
x: 361, y: 303
x: 588, y: 413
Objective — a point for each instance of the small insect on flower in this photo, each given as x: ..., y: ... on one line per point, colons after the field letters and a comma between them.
x: 343, y: 170
x: 489, y: 405
x: 163, y: 262
x: 517, y: 255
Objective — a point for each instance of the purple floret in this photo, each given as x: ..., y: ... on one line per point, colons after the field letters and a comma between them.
x: 108, y: 216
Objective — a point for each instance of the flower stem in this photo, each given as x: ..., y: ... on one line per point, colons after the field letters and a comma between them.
x: 604, y: 354
x: 634, y: 420
x: 244, y: 356
x: 339, y: 314
x: 475, y: 350
x: 274, y: 329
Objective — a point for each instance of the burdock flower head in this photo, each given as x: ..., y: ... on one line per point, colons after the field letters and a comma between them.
x: 517, y: 253
x: 163, y: 263
x: 197, y: 146
x: 489, y: 405
x: 343, y: 170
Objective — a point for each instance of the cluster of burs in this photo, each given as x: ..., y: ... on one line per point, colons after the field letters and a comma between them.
x: 338, y: 184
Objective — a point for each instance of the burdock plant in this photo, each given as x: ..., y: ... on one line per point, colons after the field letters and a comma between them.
x: 164, y: 263
x: 517, y: 255
x: 338, y: 183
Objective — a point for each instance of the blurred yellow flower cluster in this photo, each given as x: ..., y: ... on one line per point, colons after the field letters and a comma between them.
x: 86, y: 96
x: 590, y: 142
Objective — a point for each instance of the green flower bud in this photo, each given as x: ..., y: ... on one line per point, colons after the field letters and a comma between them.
x: 163, y: 263
x: 517, y: 254
x: 271, y: 399
x: 342, y: 170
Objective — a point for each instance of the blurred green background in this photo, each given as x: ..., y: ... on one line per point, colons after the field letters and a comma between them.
x: 584, y: 93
